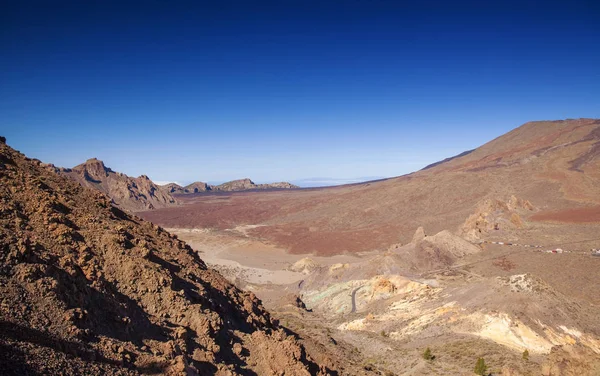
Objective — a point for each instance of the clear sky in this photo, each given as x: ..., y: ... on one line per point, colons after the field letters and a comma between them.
x: 287, y: 90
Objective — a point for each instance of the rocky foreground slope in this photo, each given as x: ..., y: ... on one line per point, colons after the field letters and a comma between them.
x: 128, y: 193
x: 87, y: 289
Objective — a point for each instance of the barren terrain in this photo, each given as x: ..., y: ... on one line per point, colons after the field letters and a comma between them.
x: 501, y: 265
x: 482, y: 255
x: 86, y: 288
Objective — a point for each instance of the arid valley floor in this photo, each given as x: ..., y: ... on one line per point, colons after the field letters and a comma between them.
x: 503, y: 264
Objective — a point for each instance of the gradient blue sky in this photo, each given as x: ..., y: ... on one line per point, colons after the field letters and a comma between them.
x: 287, y: 90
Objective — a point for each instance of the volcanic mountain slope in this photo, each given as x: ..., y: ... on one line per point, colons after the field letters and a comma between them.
x: 554, y: 165
x: 129, y: 193
x: 87, y: 289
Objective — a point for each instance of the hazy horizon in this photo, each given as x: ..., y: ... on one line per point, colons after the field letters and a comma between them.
x: 287, y: 91
x: 302, y: 183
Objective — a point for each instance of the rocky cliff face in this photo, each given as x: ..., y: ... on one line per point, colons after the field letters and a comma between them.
x: 129, y: 193
x: 86, y: 288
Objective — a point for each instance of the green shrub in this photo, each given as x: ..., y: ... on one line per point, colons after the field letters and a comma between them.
x: 480, y: 367
x: 427, y: 354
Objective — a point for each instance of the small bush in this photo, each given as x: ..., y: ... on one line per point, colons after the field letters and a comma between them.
x: 368, y: 366
x: 427, y: 354
x: 525, y: 355
x: 480, y: 367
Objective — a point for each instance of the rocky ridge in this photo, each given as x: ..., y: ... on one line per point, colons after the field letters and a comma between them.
x: 195, y: 187
x: 247, y: 184
x: 86, y: 288
x: 230, y: 186
x: 133, y: 194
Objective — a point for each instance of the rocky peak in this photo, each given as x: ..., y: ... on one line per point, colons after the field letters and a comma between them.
x: 93, y: 170
x: 419, y: 235
x: 129, y: 193
x: 172, y: 187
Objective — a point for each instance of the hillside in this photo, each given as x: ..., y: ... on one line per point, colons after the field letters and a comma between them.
x: 128, y: 193
x: 87, y: 289
x: 555, y: 165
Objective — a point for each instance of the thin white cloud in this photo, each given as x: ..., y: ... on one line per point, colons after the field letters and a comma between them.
x: 165, y: 182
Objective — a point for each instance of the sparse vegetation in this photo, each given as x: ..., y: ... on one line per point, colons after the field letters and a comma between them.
x: 427, y: 355
x: 368, y: 366
x: 480, y: 367
x: 525, y: 355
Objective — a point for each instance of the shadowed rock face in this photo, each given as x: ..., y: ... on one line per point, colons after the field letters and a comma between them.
x: 128, y: 193
x: 87, y: 288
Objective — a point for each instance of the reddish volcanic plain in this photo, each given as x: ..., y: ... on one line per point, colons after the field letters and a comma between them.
x: 551, y: 164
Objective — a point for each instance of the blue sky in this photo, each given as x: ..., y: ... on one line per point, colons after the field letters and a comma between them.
x: 287, y: 90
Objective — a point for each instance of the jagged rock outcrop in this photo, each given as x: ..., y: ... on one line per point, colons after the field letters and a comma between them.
x: 419, y: 235
x: 495, y: 215
x: 437, y: 251
x: 441, y: 250
x: 86, y: 288
x: 305, y: 265
x: 133, y: 194
x: 195, y: 187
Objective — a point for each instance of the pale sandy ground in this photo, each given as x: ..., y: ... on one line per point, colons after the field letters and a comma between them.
x: 239, y: 257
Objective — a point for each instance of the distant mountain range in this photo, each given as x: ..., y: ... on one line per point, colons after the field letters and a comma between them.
x: 141, y: 193
x: 230, y: 186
